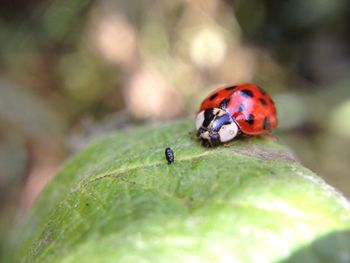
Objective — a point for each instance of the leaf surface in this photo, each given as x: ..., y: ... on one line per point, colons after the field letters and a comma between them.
x: 248, y: 201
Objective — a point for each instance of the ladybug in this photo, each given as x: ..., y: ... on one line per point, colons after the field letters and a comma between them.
x: 237, y: 109
x: 169, y: 155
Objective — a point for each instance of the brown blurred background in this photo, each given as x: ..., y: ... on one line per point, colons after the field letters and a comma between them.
x: 73, y: 70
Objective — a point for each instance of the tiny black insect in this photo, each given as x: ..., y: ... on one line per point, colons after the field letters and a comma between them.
x: 169, y: 155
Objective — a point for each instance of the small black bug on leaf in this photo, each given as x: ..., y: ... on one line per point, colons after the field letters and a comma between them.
x: 169, y: 155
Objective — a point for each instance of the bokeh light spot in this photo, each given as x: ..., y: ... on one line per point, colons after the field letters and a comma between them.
x: 208, y: 47
x: 340, y: 120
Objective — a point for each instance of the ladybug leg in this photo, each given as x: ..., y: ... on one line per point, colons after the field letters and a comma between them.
x: 193, y: 135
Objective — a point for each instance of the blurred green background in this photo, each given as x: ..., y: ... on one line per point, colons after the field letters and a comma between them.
x: 73, y: 70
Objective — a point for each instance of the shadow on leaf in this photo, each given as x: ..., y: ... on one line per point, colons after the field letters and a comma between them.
x: 333, y: 247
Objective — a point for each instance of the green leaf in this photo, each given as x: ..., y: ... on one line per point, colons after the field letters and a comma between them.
x: 249, y: 201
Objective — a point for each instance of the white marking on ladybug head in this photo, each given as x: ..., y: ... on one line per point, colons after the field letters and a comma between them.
x: 228, y: 131
x: 199, y: 119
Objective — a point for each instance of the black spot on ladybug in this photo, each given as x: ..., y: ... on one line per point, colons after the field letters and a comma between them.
x: 213, y: 96
x: 230, y: 88
x: 263, y: 92
x: 263, y: 102
x: 241, y: 107
x: 224, y: 103
x: 266, y: 124
x: 169, y: 155
x: 250, y: 119
x: 246, y: 93
x: 208, y: 117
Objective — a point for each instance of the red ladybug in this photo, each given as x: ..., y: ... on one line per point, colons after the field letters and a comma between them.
x: 232, y: 110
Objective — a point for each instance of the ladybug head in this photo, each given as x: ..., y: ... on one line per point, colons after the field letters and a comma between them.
x: 215, y: 126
